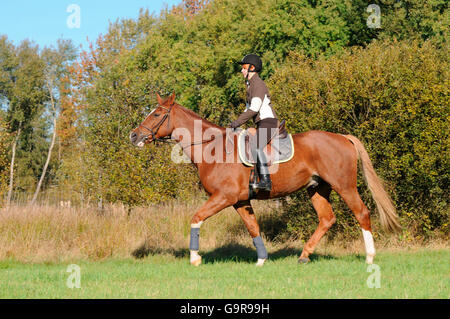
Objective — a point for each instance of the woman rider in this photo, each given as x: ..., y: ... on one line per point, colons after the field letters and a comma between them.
x: 259, y: 109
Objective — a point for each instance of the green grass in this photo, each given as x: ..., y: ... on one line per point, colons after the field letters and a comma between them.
x: 404, y: 274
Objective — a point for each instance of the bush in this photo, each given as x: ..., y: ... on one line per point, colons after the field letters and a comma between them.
x: 395, y: 98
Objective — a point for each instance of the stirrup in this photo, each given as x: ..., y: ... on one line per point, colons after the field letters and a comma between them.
x: 266, y: 185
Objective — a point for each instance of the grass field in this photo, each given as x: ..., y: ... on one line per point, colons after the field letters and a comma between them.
x: 143, y: 254
x: 403, y: 274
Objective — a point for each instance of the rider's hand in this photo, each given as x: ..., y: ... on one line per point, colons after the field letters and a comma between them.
x: 234, y: 125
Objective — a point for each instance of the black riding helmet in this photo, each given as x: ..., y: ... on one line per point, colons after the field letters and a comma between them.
x: 254, y: 60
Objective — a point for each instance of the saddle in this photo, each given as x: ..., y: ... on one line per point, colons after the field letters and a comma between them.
x: 280, y: 148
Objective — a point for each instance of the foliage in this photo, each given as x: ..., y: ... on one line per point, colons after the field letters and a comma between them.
x: 415, y: 19
x: 29, y: 92
x: 325, y: 69
x: 395, y: 98
x: 22, y: 93
x: 5, y: 141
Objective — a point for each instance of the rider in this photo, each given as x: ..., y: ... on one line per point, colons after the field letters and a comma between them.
x: 259, y: 109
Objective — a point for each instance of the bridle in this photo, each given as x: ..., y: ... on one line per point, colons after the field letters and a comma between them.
x: 168, y: 139
x: 153, y: 131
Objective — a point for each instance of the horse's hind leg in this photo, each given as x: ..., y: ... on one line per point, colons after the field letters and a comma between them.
x: 320, y: 197
x: 356, y: 205
x: 245, y: 210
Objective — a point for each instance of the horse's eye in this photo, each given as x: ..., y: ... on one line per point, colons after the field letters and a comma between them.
x: 156, y: 115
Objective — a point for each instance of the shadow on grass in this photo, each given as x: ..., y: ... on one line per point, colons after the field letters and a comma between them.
x: 238, y: 253
x: 231, y: 252
x: 358, y: 257
x: 144, y: 250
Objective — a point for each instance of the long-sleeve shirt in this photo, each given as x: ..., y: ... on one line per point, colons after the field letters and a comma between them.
x: 258, y: 105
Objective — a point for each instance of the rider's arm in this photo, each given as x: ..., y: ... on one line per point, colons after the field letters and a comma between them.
x: 244, y: 117
x: 258, y: 94
x: 255, y: 104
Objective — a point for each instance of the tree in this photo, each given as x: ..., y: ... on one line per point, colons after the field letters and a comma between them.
x: 5, y: 141
x: 22, y: 91
x: 57, y: 61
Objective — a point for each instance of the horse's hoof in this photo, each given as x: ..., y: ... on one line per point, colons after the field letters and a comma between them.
x: 303, y: 260
x: 196, y: 262
x: 260, y: 262
x: 369, y: 260
x: 195, y: 259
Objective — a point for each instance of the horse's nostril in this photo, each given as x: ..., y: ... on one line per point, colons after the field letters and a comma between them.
x: 133, y: 137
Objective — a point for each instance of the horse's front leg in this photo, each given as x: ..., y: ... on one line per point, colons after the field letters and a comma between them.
x: 245, y: 210
x: 213, y: 205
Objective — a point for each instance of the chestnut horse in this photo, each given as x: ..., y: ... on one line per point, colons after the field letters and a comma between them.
x: 322, y: 162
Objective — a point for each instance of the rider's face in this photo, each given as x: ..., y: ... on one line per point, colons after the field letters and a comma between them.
x: 245, y: 68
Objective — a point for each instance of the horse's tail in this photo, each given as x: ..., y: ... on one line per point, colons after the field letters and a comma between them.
x: 388, y: 215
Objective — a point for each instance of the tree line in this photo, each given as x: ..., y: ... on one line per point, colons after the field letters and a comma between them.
x: 66, y: 115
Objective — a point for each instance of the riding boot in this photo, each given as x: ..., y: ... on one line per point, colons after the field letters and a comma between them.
x: 263, y: 171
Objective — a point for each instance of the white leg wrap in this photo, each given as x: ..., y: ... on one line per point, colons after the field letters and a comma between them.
x: 370, y: 247
x: 260, y: 262
x: 197, y: 225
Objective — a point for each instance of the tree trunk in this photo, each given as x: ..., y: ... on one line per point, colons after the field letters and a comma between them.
x: 36, y: 193
x: 49, y: 155
x: 11, y: 174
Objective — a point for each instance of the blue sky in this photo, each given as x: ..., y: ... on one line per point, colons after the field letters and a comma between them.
x: 44, y: 21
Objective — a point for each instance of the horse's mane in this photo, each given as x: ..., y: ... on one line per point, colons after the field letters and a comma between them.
x: 196, y: 116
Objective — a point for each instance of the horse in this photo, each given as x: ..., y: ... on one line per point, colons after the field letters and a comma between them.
x: 322, y: 162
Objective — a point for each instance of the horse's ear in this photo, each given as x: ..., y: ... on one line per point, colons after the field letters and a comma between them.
x: 160, y: 101
x: 172, y: 98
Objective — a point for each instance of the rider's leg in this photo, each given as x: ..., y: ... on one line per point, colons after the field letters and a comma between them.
x: 263, y: 171
x: 263, y: 135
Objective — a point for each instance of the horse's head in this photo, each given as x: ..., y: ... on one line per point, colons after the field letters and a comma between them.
x: 156, y: 125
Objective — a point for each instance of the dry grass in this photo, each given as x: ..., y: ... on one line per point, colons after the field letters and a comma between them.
x: 52, y: 234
